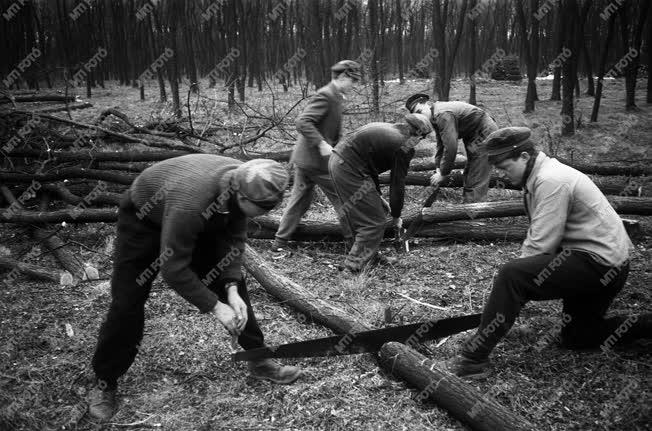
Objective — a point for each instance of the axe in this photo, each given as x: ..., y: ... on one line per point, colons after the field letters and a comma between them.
x: 402, y: 240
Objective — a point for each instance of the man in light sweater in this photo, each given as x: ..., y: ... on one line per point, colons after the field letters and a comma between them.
x: 576, y: 250
x: 319, y: 126
x: 187, y: 218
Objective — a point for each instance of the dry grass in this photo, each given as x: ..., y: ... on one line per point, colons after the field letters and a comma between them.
x: 183, y: 379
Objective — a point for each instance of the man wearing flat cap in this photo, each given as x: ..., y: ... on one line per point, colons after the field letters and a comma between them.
x: 354, y: 167
x: 187, y: 218
x: 576, y: 250
x: 319, y: 127
x: 452, y: 121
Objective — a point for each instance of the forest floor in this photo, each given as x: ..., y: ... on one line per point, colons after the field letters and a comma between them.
x: 183, y: 378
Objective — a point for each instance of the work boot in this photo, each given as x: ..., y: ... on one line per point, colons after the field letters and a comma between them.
x: 102, y: 403
x: 462, y: 366
x: 280, y: 244
x: 268, y: 369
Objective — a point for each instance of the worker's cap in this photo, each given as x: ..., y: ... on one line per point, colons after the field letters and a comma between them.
x: 350, y: 68
x: 261, y: 181
x: 414, y: 99
x: 419, y: 122
x: 506, y: 140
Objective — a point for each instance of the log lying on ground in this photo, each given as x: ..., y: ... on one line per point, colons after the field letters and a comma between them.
x: 587, y: 168
x: 265, y: 227
x: 36, y: 272
x: 67, y: 173
x: 39, y: 98
x: 284, y: 156
x: 98, y: 156
x: 298, y: 297
x: 60, y: 108
x: 463, y: 401
x: 607, y: 185
x: 67, y: 196
x: 511, y: 208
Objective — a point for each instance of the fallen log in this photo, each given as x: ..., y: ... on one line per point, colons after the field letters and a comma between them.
x: 511, y: 208
x: 49, y: 239
x: 587, y: 168
x: 463, y: 401
x: 265, y: 227
x: 38, y: 98
x: 63, y: 193
x: 59, y: 108
x: 284, y: 156
x: 607, y: 185
x: 36, y: 272
x: 98, y: 156
x: 67, y: 173
x: 303, y: 300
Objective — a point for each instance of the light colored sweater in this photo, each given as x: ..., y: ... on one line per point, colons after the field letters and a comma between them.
x: 567, y: 210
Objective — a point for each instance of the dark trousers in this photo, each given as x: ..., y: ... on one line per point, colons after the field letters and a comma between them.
x: 586, y: 288
x: 137, y: 246
x: 361, y: 209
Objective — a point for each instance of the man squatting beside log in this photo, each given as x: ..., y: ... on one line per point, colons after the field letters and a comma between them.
x: 452, y: 121
x: 354, y: 168
x: 194, y: 233
x: 576, y: 250
x: 319, y: 126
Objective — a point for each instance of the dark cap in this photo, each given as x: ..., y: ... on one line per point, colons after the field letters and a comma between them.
x: 350, y: 68
x: 507, y: 139
x: 419, y: 122
x: 414, y: 99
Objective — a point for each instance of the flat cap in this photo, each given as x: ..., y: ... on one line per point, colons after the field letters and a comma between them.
x: 414, y: 99
x: 348, y: 67
x: 262, y: 181
x: 419, y: 122
x: 507, y: 139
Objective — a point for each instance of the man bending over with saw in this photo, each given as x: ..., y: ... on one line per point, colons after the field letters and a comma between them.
x: 186, y: 217
x: 576, y: 250
x: 354, y: 168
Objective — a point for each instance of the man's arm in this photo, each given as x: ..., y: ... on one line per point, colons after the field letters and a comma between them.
x: 312, y: 114
x: 402, y: 158
x: 445, y: 124
x: 548, y: 220
x: 231, y: 248
x: 179, y: 233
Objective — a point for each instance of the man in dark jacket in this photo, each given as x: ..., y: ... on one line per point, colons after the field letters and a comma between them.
x: 576, y: 250
x: 319, y: 127
x: 453, y: 121
x: 186, y: 217
x: 354, y: 167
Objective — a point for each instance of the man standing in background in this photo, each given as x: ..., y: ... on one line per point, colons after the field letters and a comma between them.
x: 320, y: 127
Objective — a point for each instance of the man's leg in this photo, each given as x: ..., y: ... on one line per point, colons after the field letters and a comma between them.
x: 587, y: 327
x: 477, y: 171
x: 541, y: 277
x: 364, y: 210
x: 137, y: 247
x: 325, y: 182
x: 298, y: 204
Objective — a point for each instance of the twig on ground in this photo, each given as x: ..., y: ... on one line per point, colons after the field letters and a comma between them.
x: 436, y: 307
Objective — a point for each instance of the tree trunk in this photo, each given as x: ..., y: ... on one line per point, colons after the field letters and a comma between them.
x: 373, y: 37
x: 601, y: 69
x: 399, y: 41
x: 35, y: 272
x: 472, y: 57
x: 460, y: 399
x: 312, y: 308
x: 568, y: 67
x: 559, y: 36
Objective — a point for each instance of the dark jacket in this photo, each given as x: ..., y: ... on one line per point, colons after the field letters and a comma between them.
x: 375, y: 148
x: 321, y: 120
x: 190, y: 197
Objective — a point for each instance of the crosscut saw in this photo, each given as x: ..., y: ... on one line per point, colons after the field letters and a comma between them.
x: 365, y: 341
